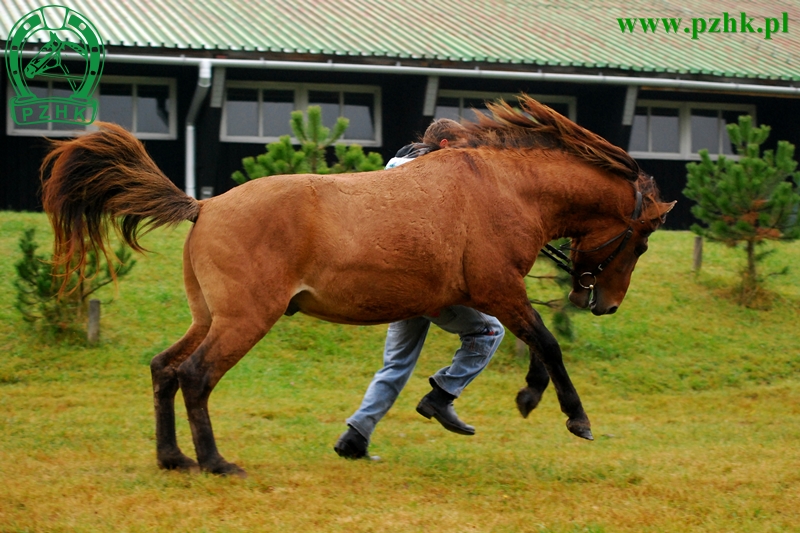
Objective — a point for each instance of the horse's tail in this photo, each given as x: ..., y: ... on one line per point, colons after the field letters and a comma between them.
x: 105, y: 179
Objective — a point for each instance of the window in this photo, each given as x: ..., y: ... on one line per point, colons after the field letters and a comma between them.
x: 678, y: 130
x: 260, y: 112
x: 458, y: 104
x: 44, y: 90
x: 143, y: 106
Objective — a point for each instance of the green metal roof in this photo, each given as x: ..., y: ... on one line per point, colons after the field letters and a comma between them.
x: 519, y: 33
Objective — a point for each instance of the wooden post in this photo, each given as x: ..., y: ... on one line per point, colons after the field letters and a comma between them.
x: 698, y: 253
x: 93, y: 331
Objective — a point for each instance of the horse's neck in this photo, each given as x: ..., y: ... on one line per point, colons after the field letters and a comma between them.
x: 572, y: 197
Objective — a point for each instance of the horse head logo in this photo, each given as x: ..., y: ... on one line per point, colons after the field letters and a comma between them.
x: 66, y: 30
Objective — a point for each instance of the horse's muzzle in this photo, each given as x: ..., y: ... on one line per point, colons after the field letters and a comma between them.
x: 600, y: 308
x: 588, y: 299
x: 598, y: 311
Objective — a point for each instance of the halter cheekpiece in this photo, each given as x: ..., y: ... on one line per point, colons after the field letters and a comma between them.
x: 588, y: 280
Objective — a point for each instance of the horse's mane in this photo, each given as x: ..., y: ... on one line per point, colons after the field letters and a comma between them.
x: 535, y: 125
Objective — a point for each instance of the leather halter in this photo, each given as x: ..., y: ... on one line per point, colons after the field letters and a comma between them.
x: 563, y: 261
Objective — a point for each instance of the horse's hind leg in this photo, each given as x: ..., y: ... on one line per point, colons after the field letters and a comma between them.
x: 537, y: 379
x: 227, y: 342
x: 164, y: 370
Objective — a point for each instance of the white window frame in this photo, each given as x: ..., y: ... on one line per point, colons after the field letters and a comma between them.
x: 685, y: 127
x: 44, y: 130
x: 301, y: 91
x: 48, y: 131
x: 145, y: 80
x: 571, y: 101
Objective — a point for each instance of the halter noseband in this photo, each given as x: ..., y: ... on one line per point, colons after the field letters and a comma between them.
x: 563, y: 261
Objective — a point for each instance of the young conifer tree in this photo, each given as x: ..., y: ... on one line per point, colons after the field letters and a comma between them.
x: 749, y: 201
x: 314, y: 138
x: 38, y: 281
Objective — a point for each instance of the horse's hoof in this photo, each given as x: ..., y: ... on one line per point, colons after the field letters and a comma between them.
x: 527, y: 400
x: 224, y: 468
x: 580, y: 428
x: 237, y: 472
x: 178, y: 462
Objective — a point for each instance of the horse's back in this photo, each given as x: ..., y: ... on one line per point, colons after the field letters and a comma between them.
x: 338, y: 214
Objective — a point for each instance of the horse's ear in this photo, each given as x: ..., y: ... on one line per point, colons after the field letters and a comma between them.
x: 662, y: 209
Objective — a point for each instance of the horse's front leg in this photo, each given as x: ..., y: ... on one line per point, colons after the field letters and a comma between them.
x: 524, y: 322
x: 537, y: 379
x: 544, y: 346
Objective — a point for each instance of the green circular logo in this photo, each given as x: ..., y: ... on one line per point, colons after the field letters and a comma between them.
x: 67, y: 31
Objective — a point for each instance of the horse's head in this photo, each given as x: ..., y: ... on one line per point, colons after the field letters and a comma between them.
x: 603, y: 260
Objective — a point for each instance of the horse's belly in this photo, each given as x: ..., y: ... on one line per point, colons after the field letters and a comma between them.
x: 371, y: 306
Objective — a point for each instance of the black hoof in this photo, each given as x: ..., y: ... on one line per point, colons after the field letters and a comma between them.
x: 224, y: 468
x: 178, y: 461
x: 527, y: 400
x: 580, y: 428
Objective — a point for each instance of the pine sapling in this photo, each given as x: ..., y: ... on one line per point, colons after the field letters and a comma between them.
x: 38, y: 282
x: 314, y: 139
x: 748, y: 201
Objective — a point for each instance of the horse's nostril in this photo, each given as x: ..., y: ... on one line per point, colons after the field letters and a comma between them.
x: 612, y: 310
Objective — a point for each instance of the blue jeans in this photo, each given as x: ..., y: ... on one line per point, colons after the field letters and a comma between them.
x: 480, y: 337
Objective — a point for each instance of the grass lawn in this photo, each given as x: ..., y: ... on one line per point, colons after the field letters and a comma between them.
x: 694, y: 403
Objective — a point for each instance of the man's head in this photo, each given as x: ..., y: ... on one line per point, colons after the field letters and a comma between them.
x: 441, y: 132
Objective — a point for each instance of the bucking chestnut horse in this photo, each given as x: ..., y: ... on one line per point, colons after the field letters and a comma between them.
x: 459, y: 226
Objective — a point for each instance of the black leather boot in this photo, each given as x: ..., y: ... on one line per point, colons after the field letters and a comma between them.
x: 351, y: 444
x: 439, y: 404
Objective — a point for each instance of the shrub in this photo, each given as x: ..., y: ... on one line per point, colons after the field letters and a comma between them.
x: 749, y: 201
x: 282, y: 158
x: 37, y: 286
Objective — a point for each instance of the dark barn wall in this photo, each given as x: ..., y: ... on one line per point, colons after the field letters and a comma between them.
x: 19, y: 176
x: 600, y: 110
x: 401, y: 104
x: 781, y: 114
x: 209, y: 150
x: 671, y: 174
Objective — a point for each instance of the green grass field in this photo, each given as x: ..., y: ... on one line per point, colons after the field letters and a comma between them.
x: 694, y: 401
